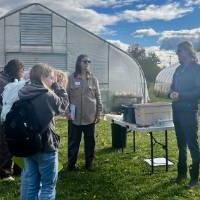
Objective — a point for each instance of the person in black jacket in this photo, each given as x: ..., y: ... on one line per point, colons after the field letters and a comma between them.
x: 14, y: 69
x: 40, y: 171
x: 185, y: 93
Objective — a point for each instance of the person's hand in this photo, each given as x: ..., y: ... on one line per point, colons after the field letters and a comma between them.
x: 55, y: 78
x: 174, y: 96
x: 97, y: 120
x: 68, y: 116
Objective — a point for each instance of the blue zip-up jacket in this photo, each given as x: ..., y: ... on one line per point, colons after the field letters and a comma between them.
x: 186, y: 81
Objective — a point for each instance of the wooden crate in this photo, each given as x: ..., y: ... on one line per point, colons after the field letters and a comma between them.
x: 151, y: 113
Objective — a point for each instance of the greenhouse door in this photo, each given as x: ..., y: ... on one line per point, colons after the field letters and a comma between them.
x: 58, y: 61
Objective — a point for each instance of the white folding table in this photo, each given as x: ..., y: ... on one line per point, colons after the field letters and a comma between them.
x: 118, y: 119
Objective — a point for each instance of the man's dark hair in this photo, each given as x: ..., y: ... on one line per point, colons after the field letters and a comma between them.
x: 13, y: 67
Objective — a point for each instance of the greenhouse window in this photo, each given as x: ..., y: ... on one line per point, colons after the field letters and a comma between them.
x: 36, y: 29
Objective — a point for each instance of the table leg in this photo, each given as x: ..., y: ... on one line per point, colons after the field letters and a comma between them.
x: 134, y: 141
x: 152, y: 163
x: 166, y: 150
x: 122, y: 139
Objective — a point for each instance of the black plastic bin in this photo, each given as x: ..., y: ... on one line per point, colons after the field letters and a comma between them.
x: 128, y: 113
x: 119, y: 136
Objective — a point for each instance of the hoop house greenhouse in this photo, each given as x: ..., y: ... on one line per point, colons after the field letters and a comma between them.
x: 163, y: 81
x: 37, y: 34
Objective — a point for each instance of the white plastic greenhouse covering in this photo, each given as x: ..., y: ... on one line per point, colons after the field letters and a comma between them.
x: 117, y: 72
x: 164, y: 80
x: 125, y: 76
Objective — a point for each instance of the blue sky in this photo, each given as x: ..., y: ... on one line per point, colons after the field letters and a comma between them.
x: 156, y: 25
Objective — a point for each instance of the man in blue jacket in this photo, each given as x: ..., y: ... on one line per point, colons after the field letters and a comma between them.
x: 185, y: 93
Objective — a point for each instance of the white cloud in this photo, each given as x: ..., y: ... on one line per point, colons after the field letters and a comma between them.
x: 81, y: 12
x: 108, y: 32
x: 103, y: 3
x: 113, y: 3
x: 154, y: 12
x: 76, y: 10
x: 71, y: 3
x: 192, y: 2
x: 170, y: 39
x: 89, y: 18
x: 144, y: 32
x: 119, y: 44
x: 139, y: 6
x: 167, y: 57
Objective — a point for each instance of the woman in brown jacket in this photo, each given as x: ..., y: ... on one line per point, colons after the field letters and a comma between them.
x: 85, y: 98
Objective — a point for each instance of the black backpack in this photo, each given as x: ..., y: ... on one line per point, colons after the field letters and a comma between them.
x: 23, y: 132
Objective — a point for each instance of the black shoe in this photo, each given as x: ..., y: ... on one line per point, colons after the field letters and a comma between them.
x: 180, y: 178
x: 193, y: 183
x: 71, y: 168
x: 89, y: 167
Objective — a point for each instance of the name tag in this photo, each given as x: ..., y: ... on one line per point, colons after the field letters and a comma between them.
x: 77, y: 83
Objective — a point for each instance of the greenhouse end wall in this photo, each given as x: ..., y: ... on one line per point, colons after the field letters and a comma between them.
x: 118, y: 74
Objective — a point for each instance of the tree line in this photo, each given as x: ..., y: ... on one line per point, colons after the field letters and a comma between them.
x: 148, y: 61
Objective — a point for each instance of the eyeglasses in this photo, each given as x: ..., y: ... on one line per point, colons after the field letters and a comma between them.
x: 86, y: 61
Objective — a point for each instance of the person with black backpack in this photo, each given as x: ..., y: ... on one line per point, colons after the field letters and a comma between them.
x: 14, y: 69
x: 47, y: 99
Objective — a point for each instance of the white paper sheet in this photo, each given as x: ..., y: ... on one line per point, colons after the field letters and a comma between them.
x: 158, y: 161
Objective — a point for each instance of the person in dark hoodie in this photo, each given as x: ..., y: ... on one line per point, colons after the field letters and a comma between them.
x: 40, y: 171
x: 13, y: 70
x: 185, y: 93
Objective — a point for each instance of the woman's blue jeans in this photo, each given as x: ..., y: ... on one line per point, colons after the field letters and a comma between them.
x: 39, y: 177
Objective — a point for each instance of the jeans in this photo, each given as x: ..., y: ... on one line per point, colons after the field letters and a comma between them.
x: 186, y: 127
x: 39, y: 177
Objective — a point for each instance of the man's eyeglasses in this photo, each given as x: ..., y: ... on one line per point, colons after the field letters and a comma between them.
x: 86, y: 61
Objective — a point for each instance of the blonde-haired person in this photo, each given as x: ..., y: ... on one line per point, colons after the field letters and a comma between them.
x: 185, y: 93
x: 62, y: 78
x: 40, y: 171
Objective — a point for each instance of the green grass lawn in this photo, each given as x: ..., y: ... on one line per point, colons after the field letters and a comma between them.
x: 118, y: 176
